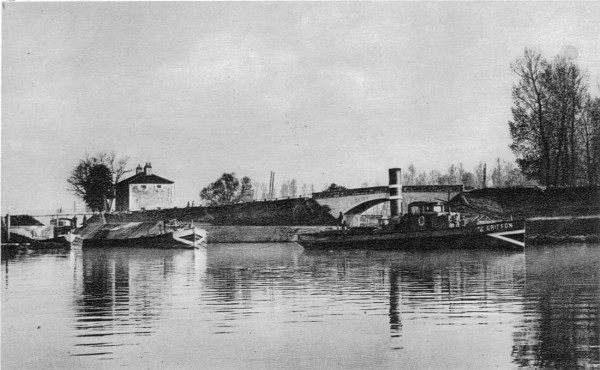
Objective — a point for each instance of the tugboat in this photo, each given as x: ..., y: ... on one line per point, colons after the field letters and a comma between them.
x: 426, y: 225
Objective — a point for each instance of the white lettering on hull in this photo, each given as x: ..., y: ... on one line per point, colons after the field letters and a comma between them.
x: 495, y: 227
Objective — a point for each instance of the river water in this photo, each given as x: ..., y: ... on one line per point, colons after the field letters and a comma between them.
x: 277, y: 306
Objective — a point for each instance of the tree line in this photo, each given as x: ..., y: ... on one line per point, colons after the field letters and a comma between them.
x: 228, y: 189
x: 502, y: 174
x: 555, y: 124
x: 94, y: 177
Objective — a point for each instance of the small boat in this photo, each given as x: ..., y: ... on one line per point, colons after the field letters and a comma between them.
x: 63, y: 228
x: 426, y: 225
x: 141, y: 235
x: 187, y: 234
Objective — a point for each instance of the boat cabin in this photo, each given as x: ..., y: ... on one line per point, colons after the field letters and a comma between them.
x: 420, y: 208
x: 430, y: 215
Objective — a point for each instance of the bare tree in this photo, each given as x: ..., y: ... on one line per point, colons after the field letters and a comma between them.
x: 264, y: 191
x: 589, y: 137
x: 421, y: 179
x: 408, y: 177
x: 305, y: 189
x: 479, y: 175
x: 498, y: 174
x: 547, y: 104
x: 293, y: 188
x: 285, y: 190
x: 529, y: 128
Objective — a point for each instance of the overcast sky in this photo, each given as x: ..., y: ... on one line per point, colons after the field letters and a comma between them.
x: 319, y: 92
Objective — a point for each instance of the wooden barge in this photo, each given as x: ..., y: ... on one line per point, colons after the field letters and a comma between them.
x: 141, y: 235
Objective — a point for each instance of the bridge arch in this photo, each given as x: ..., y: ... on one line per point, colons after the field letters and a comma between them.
x: 353, y: 214
x: 363, y: 207
x: 354, y: 202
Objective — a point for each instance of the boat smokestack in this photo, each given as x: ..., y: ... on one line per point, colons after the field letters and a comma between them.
x: 395, y: 189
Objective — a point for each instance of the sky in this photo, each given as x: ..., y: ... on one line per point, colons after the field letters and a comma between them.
x: 320, y: 92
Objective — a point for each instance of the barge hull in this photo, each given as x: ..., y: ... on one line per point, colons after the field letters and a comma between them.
x: 164, y: 241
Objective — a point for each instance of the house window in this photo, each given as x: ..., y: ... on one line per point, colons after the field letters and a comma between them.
x: 134, y: 187
x: 158, y: 186
x: 143, y: 187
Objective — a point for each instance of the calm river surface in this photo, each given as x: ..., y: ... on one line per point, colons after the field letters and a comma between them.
x: 277, y: 306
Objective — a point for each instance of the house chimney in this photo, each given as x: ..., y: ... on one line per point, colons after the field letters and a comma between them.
x: 138, y: 170
x: 148, y: 169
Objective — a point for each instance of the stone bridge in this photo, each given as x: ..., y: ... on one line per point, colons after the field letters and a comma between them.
x: 51, y: 219
x: 351, y: 203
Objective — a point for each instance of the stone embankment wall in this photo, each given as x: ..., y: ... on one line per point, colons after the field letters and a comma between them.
x: 258, y: 234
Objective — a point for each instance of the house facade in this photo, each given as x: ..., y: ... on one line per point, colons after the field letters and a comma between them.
x: 144, y: 191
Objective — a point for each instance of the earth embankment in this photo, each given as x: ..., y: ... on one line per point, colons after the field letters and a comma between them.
x: 553, y: 215
x: 531, y: 202
x: 286, y: 212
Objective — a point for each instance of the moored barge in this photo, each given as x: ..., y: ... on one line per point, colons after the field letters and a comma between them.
x: 142, y: 235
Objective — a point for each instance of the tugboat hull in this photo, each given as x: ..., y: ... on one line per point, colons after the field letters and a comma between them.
x: 503, y: 234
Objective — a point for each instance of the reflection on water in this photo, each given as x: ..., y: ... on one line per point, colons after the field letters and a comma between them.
x: 561, y: 325
x: 122, y: 295
x: 279, y: 306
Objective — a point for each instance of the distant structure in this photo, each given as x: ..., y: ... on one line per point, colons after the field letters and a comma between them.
x: 144, y: 191
x: 27, y: 226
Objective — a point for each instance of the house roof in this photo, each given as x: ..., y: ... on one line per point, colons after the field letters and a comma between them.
x: 142, y: 178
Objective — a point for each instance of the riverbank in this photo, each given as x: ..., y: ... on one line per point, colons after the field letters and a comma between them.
x: 559, y: 214
x: 532, y: 202
x: 554, y: 230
